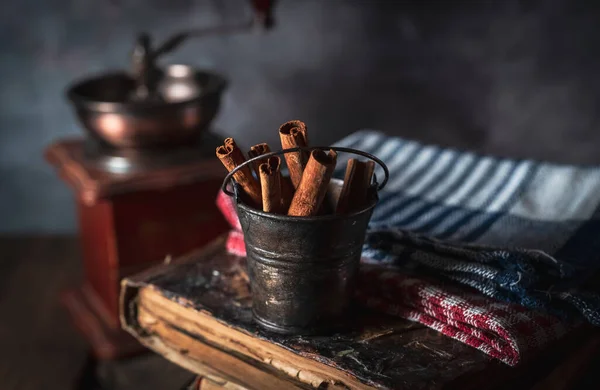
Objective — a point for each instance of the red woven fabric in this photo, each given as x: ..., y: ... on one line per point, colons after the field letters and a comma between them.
x: 505, y: 331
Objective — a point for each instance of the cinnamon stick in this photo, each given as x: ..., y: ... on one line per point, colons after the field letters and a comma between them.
x: 231, y: 156
x: 355, y: 190
x: 293, y: 134
x: 287, y: 192
x: 287, y: 189
x: 312, y: 188
x: 255, y: 151
x: 270, y: 183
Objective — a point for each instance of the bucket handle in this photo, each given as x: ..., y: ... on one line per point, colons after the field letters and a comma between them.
x: 309, y: 148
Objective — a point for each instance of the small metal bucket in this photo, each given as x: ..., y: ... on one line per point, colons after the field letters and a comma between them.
x: 303, y: 270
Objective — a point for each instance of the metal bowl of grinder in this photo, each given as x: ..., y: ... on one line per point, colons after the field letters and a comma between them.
x: 185, y: 103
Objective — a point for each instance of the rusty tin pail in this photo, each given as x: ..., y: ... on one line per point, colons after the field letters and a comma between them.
x: 303, y: 270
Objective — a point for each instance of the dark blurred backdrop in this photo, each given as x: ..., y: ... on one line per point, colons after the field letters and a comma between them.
x: 516, y: 78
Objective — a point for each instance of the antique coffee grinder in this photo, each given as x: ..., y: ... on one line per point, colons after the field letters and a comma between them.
x: 145, y: 178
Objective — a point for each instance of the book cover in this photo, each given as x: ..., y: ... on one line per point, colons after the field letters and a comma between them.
x: 197, y: 312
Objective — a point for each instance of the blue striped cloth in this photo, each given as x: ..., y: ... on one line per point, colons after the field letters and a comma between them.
x: 516, y: 230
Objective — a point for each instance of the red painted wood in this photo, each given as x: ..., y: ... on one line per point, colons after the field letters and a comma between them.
x: 100, y: 260
x: 153, y: 224
x: 131, y: 222
x: 107, y: 343
x: 123, y: 234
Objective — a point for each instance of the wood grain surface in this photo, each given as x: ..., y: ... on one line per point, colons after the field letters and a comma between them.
x: 39, y: 347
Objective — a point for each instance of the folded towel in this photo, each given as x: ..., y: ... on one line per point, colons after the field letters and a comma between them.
x: 505, y: 331
x: 518, y: 231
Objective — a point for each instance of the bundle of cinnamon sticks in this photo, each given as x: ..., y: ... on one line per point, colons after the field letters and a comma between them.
x: 303, y: 192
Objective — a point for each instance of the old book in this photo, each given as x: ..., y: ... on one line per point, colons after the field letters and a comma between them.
x: 203, y: 383
x: 196, y: 312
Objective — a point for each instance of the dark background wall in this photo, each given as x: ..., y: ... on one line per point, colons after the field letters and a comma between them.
x: 507, y: 77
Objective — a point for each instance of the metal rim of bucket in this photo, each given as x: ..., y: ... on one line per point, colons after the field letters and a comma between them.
x: 296, y: 219
x: 308, y: 149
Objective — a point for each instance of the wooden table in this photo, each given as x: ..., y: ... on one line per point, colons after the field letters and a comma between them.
x: 39, y: 346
